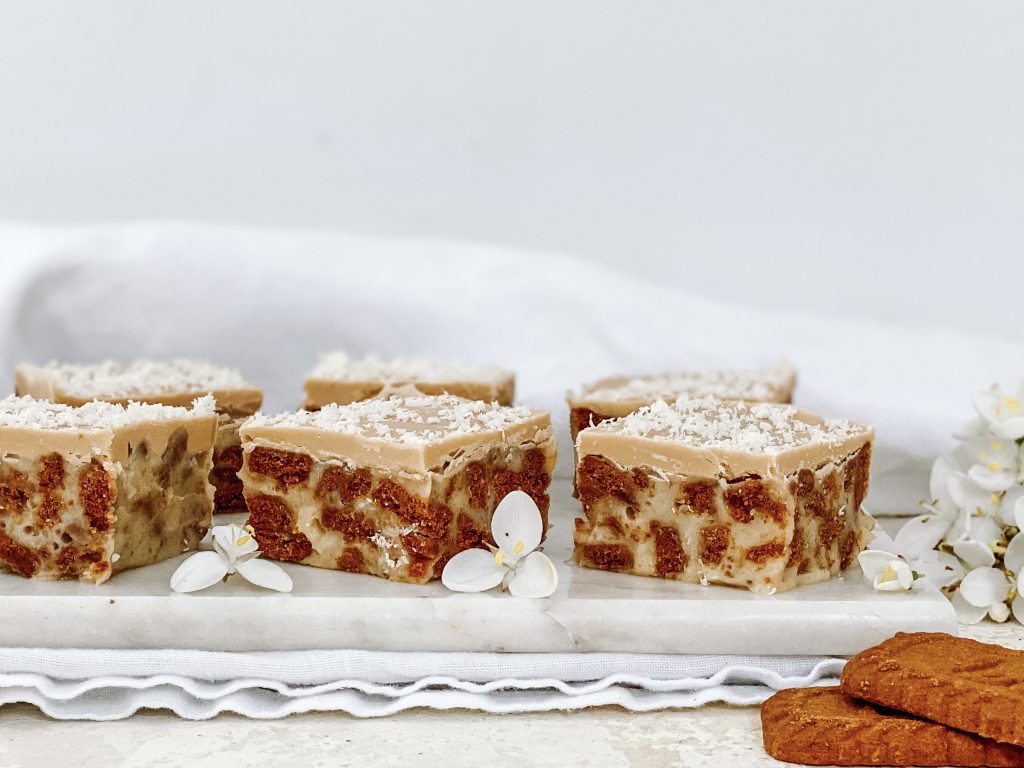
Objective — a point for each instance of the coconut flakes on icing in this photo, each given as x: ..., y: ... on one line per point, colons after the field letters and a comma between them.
x: 30, y: 413
x: 414, y: 420
x: 143, y: 378
x: 739, y: 384
x: 710, y: 423
x: 337, y: 366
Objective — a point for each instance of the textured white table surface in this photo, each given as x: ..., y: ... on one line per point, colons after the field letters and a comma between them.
x: 718, y: 736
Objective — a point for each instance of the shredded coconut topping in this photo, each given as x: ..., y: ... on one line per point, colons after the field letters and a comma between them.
x: 144, y: 378
x: 414, y: 420
x: 338, y: 367
x: 29, y: 413
x: 739, y: 384
x: 762, y: 428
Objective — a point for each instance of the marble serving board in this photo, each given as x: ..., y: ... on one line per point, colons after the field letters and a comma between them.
x: 592, y: 611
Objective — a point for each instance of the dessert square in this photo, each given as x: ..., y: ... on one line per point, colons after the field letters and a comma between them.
x: 171, y: 382
x: 93, y: 490
x: 338, y: 379
x: 762, y: 496
x: 390, y: 487
x: 619, y: 396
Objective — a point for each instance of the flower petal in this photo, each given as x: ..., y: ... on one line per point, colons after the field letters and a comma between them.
x: 233, y: 541
x: 1014, y: 557
x: 1012, y: 500
x: 965, y: 612
x: 202, y: 570
x: 942, y: 472
x: 985, y: 528
x: 999, y: 612
x: 919, y: 535
x: 1009, y: 429
x: 873, y: 562
x: 516, y: 521
x: 535, y: 576
x: 992, y: 479
x: 940, y: 568
x: 967, y: 495
x: 974, y: 553
x: 984, y: 587
x: 1018, y: 605
x: 904, y: 576
x: 473, y: 570
x: 266, y: 574
x: 1018, y: 513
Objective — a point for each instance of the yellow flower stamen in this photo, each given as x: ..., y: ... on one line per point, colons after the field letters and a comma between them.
x: 996, y: 445
x: 499, y: 557
x: 519, y: 547
x: 993, y: 467
x: 1010, y: 403
x: 889, y: 573
x: 244, y: 539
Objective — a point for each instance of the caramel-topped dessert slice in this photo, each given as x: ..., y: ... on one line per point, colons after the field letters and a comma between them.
x: 338, y: 379
x: 171, y: 382
x: 391, y: 487
x: 619, y: 396
x: 92, y: 490
x: 763, y: 496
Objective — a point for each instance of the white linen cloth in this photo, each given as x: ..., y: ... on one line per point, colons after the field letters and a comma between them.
x: 114, y: 684
x: 269, y: 302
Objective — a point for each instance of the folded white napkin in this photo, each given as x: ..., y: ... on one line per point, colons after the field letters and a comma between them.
x: 114, y: 684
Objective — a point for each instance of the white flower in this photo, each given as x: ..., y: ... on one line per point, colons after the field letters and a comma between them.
x: 982, y: 591
x: 996, y: 463
x: 940, y: 568
x: 948, y: 518
x: 969, y: 497
x: 976, y: 547
x: 234, y: 551
x: 1011, y: 506
x: 1004, y: 413
x: 517, y: 528
x: 915, y: 542
x: 886, y: 571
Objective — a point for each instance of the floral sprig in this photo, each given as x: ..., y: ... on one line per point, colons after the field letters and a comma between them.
x: 234, y: 551
x: 514, y: 562
x: 970, y: 540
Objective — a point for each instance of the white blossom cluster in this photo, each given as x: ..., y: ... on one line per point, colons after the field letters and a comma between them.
x: 970, y: 541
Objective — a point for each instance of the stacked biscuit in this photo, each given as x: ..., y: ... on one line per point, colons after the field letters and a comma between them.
x: 916, y: 699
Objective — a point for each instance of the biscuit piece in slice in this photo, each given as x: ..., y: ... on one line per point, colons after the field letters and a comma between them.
x: 976, y: 687
x: 823, y: 726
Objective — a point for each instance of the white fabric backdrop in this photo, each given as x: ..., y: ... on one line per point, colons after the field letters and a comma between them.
x: 269, y: 302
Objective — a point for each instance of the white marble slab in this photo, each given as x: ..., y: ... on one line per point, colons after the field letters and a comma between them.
x: 592, y: 611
